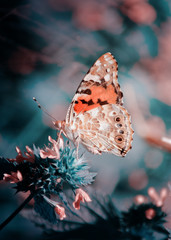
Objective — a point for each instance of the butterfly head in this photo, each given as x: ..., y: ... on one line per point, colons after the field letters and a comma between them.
x: 59, y: 124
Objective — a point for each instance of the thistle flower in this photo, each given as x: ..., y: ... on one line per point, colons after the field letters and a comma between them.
x: 155, y: 198
x: 44, y: 172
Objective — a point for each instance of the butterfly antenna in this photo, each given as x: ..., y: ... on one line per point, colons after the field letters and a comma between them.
x: 43, y: 109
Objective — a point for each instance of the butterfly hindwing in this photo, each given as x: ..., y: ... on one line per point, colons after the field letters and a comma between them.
x: 105, y: 129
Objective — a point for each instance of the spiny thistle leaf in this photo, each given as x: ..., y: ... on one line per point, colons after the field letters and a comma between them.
x: 45, y: 210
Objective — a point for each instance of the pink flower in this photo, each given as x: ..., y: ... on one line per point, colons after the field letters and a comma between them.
x: 52, y: 152
x: 13, y: 177
x: 150, y: 213
x: 81, y: 196
x: 60, y: 211
x: 158, y: 199
x: 29, y: 156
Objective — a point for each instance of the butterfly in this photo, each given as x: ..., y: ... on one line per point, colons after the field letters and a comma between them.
x: 96, y: 117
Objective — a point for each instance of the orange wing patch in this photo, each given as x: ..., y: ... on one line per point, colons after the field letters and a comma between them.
x: 98, y: 96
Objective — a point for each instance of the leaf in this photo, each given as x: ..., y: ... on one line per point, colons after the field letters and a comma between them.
x: 45, y: 210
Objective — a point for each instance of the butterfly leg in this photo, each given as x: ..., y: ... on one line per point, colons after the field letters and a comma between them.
x: 77, y: 150
x: 58, y: 136
x: 77, y: 145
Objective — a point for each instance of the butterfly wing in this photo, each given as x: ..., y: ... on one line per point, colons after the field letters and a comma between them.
x: 96, y: 111
x: 99, y: 87
x: 105, y: 129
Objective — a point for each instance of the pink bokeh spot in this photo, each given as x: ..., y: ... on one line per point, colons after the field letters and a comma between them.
x: 140, y: 12
x: 60, y: 211
x: 138, y: 179
x: 81, y: 196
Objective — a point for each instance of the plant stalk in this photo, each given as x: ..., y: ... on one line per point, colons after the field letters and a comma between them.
x: 27, y: 200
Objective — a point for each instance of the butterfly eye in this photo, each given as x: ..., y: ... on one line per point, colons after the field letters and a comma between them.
x: 121, y: 132
x: 119, y: 139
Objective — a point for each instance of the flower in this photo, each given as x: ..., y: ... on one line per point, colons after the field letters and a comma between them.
x: 52, y: 152
x: 57, y: 208
x: 13, y: 177
x: 60, y: 211
x: 81, y: 196
x: 29, y: 156
x: 158, y: 199
x: 150, y: 213
x: 43, y: 172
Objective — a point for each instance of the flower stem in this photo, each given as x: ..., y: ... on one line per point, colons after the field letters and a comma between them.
x: 27, y: 200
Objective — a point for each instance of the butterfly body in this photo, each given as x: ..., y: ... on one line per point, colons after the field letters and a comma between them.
x: 96, y: 117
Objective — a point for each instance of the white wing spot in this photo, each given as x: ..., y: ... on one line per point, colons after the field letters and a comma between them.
x: 89, y: 77
x: 111, y: 62
x: 107, y: 77
x: 107, y: 58
x: 108, y: 69
x: 98, y: 63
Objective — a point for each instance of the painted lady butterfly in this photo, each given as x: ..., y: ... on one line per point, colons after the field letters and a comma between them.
x: 96, y: 117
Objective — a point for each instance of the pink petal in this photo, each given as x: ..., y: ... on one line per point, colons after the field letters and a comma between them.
x: 43, y: 154
x: 81, y: 196
x: 163, y: 194
x: 76, y: 203
x: 153, y: 194
x: 60, y: 211
x: 18, y: 150
x: 29, y: 150
x: 7, y: 177
x: 84, y: 194
x: 50, y: 139
x: 150, y: 213
x: 52, y: 152
x: 11, y: 177
x: 19, y: 176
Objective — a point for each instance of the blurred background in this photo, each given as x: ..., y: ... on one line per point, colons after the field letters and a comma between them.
x: 46, y: 48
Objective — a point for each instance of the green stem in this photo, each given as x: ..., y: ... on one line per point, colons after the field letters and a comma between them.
x: 27, y: 200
